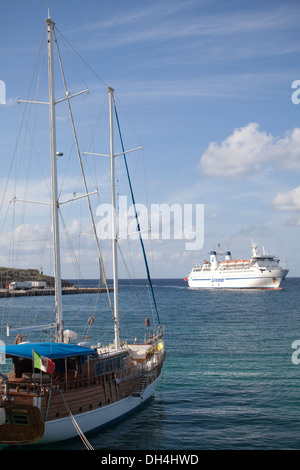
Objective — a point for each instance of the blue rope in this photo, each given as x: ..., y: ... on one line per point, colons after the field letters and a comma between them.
x: 137, y: 220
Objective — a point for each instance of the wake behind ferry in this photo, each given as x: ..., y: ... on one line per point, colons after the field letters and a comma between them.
x: 262, y: 271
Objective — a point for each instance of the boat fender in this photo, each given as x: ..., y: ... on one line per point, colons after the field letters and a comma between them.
x: 18, y: 339
x: 2, y: 415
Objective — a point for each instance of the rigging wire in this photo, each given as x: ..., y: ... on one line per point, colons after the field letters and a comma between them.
x: 102, y: 273
x: 35, y: 96
x: 136, y: 217
x: 76, y: 425
x: 17, y: 232
x: 148, y: 273
x: 83, y: 60
x: 127, y: 171
x: 141, y: 308
x: 71, y: 248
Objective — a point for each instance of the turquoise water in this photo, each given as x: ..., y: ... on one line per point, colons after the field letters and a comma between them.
x: 228, y: 381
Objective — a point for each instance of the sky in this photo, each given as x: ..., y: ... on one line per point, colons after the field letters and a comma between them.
x: 208, y: 88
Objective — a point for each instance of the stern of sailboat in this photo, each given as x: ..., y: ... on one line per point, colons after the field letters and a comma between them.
x: 22, y: 424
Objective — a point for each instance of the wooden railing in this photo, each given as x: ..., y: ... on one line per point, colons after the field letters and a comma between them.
x: 41, y: 386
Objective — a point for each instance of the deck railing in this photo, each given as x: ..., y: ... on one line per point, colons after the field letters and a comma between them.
x: 42, y: 385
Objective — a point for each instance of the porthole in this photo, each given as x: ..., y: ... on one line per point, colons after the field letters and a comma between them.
x: 90, y: 406
x: 100, y: 403
x: 56, y: 414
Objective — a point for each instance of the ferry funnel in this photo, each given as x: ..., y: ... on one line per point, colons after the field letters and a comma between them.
x: 213, y: 260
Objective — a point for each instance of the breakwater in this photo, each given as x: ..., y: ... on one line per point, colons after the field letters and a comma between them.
x: 50, y: 291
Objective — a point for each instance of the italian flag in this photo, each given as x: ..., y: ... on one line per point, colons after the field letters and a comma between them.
x: 43, y: 363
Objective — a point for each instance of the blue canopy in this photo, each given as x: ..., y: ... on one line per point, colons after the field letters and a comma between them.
x: 50, y: 350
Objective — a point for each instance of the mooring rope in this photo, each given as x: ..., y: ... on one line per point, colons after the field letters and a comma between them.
x: 79, y: 431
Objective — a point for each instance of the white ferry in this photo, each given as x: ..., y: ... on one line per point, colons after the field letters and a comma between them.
x: 259, y: 272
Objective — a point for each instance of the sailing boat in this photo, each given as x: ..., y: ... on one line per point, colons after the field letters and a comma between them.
x: 59, y: 390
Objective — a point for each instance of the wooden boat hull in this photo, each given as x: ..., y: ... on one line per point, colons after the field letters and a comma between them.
x: 64, y: 429
x: 24, y: 425
x: 53, y: 414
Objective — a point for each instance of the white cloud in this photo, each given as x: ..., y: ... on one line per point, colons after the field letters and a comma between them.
x: 289, y: 201
x: 248, y: 150
x: 31, y: 246
x: 184, y: 20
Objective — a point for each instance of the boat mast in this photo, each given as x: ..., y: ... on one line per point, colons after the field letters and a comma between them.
x: 113, y: 221
x: 55, y: 204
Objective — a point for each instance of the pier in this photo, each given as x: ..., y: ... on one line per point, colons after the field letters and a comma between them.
x: 50, y: 291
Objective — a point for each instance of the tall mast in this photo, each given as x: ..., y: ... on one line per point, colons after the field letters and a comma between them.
x: 58, y: 293
x: 113, y: 222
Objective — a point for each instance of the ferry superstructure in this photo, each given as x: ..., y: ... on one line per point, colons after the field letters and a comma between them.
x: 262, y: 271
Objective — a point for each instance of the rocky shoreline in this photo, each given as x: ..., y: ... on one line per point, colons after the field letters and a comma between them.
x: 8, y: 275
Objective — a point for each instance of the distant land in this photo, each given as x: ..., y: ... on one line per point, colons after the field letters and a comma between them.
x: 8, y: 275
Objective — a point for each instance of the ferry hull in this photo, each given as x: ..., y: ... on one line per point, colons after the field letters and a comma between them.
x: 269, y: 281
x: 262, y: 271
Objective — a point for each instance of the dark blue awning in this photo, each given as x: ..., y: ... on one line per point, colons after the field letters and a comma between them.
x: 50, y: 350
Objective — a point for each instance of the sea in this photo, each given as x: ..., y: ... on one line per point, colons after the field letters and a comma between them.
x: 231, y: 379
